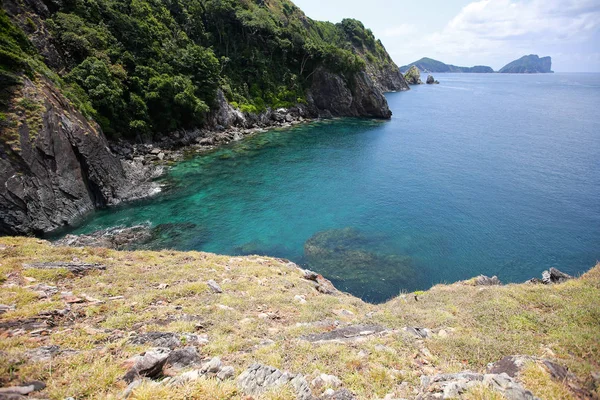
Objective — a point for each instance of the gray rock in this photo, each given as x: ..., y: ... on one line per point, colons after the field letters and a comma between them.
x: 24, y: 389
x: 510, y: 365
x: 226, y: 373
x: 214, y: 286
x: 324, y: 380
x: 150, y: 365
x: 183, y: 358
x: 342, y: 394
x: 483, y: 280
x: 169, y: 340
x: 421, y: 333
x: 413, y: 76
x: 5, y: 308
x: 345, y: 334
x: 259, y: 378
x: 551, y: 276
x: 212, y: 367
x: 77, y: 268
x: 430, y: 80
x: 449, y: 386
x: 555, y: 276
x: 44, y: 353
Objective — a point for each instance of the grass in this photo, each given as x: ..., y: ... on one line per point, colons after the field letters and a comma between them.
x: 483, y: 324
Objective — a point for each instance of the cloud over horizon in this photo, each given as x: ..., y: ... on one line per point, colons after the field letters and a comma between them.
x: 502, y: 30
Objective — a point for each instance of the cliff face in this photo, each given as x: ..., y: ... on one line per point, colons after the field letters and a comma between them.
x: 55, y: 166
x: 334, y: 95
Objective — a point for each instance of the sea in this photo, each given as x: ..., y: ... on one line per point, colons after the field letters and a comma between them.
x: 493, y: 174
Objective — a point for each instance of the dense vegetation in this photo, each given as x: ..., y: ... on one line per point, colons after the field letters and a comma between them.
x: 430, y: 65
x: 153, y: 66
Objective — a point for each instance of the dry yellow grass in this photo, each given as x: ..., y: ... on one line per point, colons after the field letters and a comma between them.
x: 483, y: 324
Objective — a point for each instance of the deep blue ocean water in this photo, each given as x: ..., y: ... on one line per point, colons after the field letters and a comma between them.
x: 482, y: 174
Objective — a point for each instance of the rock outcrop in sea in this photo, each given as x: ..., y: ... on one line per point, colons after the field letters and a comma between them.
x: 431, y: 80
x: 413, y: 76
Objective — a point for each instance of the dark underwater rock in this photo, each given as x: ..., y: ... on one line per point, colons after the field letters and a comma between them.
x: 357, y: 263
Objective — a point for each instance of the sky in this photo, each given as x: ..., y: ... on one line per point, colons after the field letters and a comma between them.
x: 483, y: 32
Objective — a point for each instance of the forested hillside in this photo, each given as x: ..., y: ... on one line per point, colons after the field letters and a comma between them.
x: 153, y: 66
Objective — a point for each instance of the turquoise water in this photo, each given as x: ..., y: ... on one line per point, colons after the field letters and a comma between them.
x: 483, y: 174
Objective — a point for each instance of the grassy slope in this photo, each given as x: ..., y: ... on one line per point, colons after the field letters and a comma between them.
x: 484, y: 323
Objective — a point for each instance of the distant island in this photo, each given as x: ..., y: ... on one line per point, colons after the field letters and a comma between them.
x: 531, y: 64
x: 426, y: 64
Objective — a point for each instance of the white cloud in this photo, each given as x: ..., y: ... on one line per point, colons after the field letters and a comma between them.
x: 501, y: 30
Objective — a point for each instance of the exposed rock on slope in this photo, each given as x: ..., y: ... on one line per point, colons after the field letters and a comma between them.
x: 55, y: 166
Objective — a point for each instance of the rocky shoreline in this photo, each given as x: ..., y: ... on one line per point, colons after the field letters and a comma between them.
x: 172, y: 148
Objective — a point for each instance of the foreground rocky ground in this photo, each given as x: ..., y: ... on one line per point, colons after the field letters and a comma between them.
x: 99, y: 323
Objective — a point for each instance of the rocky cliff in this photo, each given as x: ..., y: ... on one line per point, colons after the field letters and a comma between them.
x: 336, y: 95
x: 55, y: 165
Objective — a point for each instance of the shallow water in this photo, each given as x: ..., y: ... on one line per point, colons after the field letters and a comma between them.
x: 483, y: 174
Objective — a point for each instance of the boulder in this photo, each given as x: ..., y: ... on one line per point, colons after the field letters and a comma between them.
x: 348, y: 333
x: 258, y: 379
x: 77, y: 268
x: 150, y: 364
x: 451, y: 386
x: 214, y: 286
x: 483, y: 280
x: 551, y: 276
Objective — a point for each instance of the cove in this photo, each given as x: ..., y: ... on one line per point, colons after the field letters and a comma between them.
x: 482, y: 174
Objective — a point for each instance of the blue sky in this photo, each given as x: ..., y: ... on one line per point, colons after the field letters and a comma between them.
x: 482, y: 32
